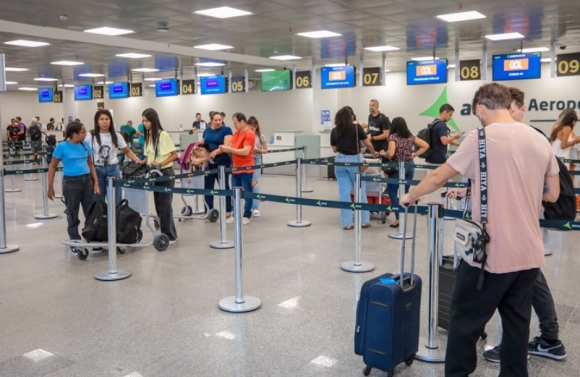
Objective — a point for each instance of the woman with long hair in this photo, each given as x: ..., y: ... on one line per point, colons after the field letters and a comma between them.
x: 562, y: 138
x: 79, y: 181
x: 260, y: 148
x: 105, y: 143
x: 401, y: 143
x: 344, y: 139
x: 160, y: 153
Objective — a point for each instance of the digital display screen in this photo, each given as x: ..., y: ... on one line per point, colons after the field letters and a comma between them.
x: 119, y: 90
x: 212, y: 84
x: 337, y: 77
x: 83, y: 92
x: 427, y: 72
x: 274, y: 81
x: 46, y: 95
x: 166, y: 88
x: 517, y: 66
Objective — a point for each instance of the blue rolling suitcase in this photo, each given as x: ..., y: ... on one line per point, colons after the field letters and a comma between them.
x: 387, y: 318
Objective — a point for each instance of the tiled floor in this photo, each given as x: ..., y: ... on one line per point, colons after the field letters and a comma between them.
x: 164, y: 320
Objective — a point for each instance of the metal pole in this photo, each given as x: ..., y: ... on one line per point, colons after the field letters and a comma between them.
x: 223, y: 243
x: 239, y: 303
x: 112, y: 274
x: 431, y: 351
x: 357, y: 265
x: 4, y: 248
x: 45, y: 215
x: 299, y: 223
x: 11, y: 189
x: 196, y: 210
x: 304, y: 173
x: 30, y: 177
x: 402, y: 216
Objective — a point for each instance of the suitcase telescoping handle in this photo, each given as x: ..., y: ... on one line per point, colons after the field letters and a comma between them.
x: 402, y: 267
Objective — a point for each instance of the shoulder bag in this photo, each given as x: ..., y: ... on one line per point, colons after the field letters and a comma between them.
x: 362, y: 168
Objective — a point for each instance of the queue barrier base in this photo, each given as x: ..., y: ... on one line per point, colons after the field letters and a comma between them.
x: 301, y: 224
x: 400, y: 236
x: 29, y: 179
x: 9, y: 249
x: 431, y: 355
x: 46, y: 217
x: 222, y: 245
x: 307, y: 190
x: 107, y: 276
x: 351, y: 266
x: 12, y: 190
x: 248, y: 304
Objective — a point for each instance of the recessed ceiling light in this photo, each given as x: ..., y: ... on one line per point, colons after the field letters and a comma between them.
x: 45, y: 79
x: 265, y: 70
x: 461, y: 16
x: 10, y: 82
x: 319, y: 34
x: 145, y: 70
x: 24, y: 43
x: 8, y: 69
x: 387, y: 70
x: 335, y: 65
x: 104, y: 82
x: 91, y: 75
x: 223, y: 12
x: 109, y: 31
x: 210, y: 64
x: 382, y: 48
x: 451, y: 66
x: 153, y: 79
x: 285, y: 57
x: 547, y: 60
x: 66, y: 62
x: 534, y: 49
x: 66, y: 86
x: 213, y: 47
x: 27, y: 88
x: 133, y: 55
x: 505, y: 36
x: 423, y: 58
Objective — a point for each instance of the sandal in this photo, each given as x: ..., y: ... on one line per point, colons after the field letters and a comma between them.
x: 394, y: 225
x: 350, y: 227
x: 365, y: 226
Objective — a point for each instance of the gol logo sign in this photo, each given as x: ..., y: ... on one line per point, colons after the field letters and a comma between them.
x: 426, y: 70
x: 516, y: 65
x: 336, y: 75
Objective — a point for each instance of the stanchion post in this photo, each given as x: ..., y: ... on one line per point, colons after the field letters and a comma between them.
x: 45, y: 215
x: 4, y: 248
x: 112, y: 274
x: 29, y: 177
x: 299, y: 223
x: 429, y: 350
x: 305, y: 187
x: 223, y: 243
x: 357, y: 265
x: 11, y: 189
x: 402, y: 216
x: 196, y: 210
x: 239, y: 303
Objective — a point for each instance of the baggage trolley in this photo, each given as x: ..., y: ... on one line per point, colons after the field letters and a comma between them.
x: 197, y: 182
x: 375, y: 195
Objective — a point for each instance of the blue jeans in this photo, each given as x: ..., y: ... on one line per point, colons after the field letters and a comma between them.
x: 393, y: 189
x: 104, y: 172
x: 256, y: 177
x: 244, y: 180
x: 345, y: 178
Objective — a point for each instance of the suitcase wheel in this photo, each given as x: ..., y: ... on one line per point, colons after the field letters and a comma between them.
x: 409, y: 361
x: 391, y: 373
x: 367, y: 371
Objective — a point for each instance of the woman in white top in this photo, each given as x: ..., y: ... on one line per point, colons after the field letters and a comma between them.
x: 260, y: 148
x: 562, y: 139
x: 105, y: 142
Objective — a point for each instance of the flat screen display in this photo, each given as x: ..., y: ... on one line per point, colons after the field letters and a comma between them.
x: 517, y: 66
x: 46, y: 95
x: 427, y: 72
x: 212, y: 84
x: 337, y: 77
x: 119, y: 90
x: 275, y: 81
x: 83, y: 92
x: 166, y: 88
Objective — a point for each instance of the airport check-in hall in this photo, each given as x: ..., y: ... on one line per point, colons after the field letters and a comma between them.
x: 289, y: 188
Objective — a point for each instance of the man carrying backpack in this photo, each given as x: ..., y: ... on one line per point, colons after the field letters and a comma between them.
x: 36, y: 133
x: 439, y: 137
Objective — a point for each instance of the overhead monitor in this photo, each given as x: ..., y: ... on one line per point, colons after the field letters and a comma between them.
x: 427, y: 72
x: 274, y: 81
x: 517, y: 66
x: 212, y: 84
x: 337, y: 77
x: 46, y: 95
x: 83, y: 92
x: 119, y: 90
x: 166, y: 88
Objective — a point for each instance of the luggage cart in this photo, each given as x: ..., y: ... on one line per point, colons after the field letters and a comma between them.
x: 375, y: 195
x: 187, y: 212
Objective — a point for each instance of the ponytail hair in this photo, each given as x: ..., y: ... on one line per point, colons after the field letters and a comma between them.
x: 71, y: 129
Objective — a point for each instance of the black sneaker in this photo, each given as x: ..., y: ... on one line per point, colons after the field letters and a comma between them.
x: 540, y: 347
x: 74, y: 251
x: 492, y: 354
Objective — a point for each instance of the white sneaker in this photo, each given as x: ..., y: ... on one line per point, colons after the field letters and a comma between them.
x: 245, y: 221
x: 97, y: 250
x: 173, y: 241
x: 256, y: 213
x: 230, y: 220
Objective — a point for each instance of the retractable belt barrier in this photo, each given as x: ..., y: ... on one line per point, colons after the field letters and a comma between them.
x: 28, y: 171
x: 326, y: 162
x: 285, y: 150
x: 410, y: 182
x: 20, y: 162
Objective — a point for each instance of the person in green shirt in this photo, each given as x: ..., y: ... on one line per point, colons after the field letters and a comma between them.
x: 128, y: 128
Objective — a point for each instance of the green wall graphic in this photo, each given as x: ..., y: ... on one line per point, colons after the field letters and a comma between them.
x: 433, y: 111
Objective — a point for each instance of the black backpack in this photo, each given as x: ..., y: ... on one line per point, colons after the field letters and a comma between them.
x: 425, y: 135
x: 51, y: 140
x: 565, y: 207
x: 35, y: 133
x: 128, y: 224
x: 95, y: 229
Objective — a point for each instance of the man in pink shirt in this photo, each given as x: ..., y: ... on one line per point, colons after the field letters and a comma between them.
x: 517, y: 181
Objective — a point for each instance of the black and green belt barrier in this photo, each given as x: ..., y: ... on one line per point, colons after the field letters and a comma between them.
x: 28, y: 171
x: 409, y: 182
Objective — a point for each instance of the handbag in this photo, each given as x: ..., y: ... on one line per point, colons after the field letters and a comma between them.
x: 471, y: 237
x: 361, y: 168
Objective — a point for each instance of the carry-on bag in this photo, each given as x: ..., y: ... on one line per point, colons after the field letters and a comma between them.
x: 128, y: 224
x: 387, y: 317
x: 95, y: 229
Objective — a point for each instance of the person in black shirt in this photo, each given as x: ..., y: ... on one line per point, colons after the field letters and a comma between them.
x: 439, y: 136
x: 197, y: 123
x: 379, y: 126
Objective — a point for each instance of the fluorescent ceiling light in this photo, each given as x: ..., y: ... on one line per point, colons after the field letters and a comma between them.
x: 285, y: 57
x: 213, y: 47
x: 109, y: 31
x: 8, y: 69
x: 45, y: 79
x: 91, y: 75
x: 133, y: 55
x: 319, y: 34
x: 210, y: 64
x: 505, y: 36
x: 28, y: 89
x: 205, y: 74
x: 387, y: 70
x: 223, y: 12
x: 423, y: 58
x: 104, y: 82
x: 153, y: 79
x: 67, y: 86
x: 265, y: 70
x: 534, y: 49
x: 10, y: 82
x: 382, y: 48
x: 547, y: 60
x: 335, y: 65
x: 24, y: 43
x: 66, y: 62
x: 461, y: 16
x: 152, y: 86
x: 145, y: 70
x: 451, y: 66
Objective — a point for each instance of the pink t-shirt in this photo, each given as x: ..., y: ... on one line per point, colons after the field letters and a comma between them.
x: 519, y: 159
